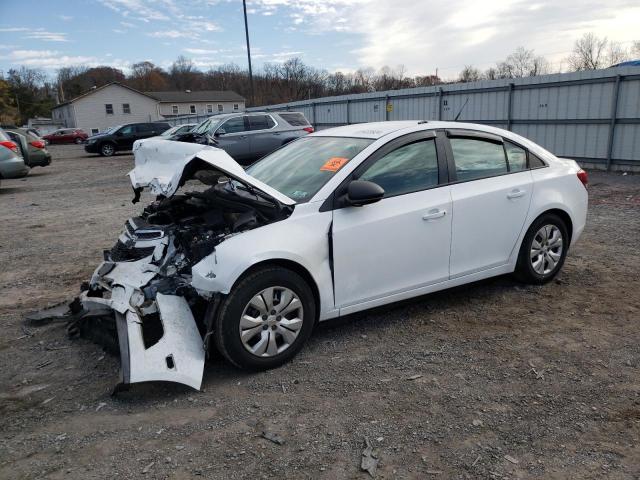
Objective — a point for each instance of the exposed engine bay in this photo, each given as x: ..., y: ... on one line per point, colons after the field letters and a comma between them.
x: 140, y: 300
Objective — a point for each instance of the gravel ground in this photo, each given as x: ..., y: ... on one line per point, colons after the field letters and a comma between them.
x: 490, y: 380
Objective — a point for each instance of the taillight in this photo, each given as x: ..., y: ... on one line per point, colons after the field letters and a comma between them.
x: 583, y: 177
x: 10, y: 145
x: 308, y: 129
x: 37, y: 144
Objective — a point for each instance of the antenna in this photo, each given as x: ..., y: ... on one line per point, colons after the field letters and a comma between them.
x: 461, y: 108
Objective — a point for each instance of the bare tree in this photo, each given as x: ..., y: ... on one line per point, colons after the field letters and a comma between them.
x: 469, y: 74
x: 635, y: 49
x: 589, y: 53
x: 146, y: 77
x: 616, y: 53
x: 521, y: 63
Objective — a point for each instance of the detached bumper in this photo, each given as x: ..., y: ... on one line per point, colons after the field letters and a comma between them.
x: 174, y: 353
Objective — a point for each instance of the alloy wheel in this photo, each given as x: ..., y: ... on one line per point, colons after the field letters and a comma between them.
x: 271, y: 321
x: 546, y: 249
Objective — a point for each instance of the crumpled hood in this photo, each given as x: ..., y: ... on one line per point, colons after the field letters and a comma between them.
x: 160, y: 165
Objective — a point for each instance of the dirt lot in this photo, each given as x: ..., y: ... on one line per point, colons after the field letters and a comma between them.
x: 492, y: 380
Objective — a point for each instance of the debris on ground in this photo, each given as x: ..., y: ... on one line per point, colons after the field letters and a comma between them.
x: 273, y: 437
x: 510, y: 459
x: 414, y: 377
x: 369, y: 461
x: 148, y: 467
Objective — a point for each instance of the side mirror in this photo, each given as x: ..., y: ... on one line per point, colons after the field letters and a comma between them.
x: 362, y: 192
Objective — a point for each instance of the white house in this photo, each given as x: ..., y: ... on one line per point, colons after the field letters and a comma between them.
x: 117, y: 104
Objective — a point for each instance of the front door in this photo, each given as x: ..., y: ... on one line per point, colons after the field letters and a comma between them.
x: 401, y: 242
x: 490, y: 202
x: 125, y: 137
x: 232, y: 138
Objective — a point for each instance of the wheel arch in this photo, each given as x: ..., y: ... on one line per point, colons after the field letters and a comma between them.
x: 290, y: 265
x: 564, y: 216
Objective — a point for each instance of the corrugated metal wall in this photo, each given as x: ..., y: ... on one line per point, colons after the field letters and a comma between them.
x: 593, y: 116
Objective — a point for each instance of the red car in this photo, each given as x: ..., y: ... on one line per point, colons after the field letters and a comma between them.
x: 67, y: 135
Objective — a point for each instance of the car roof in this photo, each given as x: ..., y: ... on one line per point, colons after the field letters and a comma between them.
x: 375, y: 130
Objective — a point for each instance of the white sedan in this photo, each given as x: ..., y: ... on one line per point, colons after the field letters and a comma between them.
x: 333, y: 223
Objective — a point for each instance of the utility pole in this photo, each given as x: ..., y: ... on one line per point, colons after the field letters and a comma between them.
x: 246, y: 31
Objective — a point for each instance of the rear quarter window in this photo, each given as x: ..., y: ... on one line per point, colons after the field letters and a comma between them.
x: 295, y: 119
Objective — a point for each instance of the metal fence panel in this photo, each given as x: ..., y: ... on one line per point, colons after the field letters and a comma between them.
x: 592, y: 116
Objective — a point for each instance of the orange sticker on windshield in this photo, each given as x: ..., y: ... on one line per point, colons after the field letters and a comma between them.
x: 333, y: 164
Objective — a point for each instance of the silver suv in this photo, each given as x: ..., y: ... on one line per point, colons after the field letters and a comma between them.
x: 249, y: 136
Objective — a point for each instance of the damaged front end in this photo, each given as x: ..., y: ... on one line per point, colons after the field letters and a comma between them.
x: 140, y: 299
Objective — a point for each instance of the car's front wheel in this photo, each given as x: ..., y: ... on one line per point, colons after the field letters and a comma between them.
x: 107, y: 149
x: 543, y: 250
x: 266, y: 319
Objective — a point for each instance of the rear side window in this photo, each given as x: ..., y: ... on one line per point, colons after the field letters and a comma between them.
x: 260, y: 122
x: 410, y: 168
x: 475, y: 158
x: 517, y: 157
x: 295, y: 119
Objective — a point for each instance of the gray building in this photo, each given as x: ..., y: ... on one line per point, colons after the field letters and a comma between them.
x: 116, y: 104
x: 204, y: 102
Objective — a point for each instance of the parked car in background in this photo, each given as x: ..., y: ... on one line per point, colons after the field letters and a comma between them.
x: 248, y: 136
x: 178, y: 130
x: 121, y: 137
x: 11, y: 162
x: 32, y: 147
x: 337, y: 222
x: 67, y: 135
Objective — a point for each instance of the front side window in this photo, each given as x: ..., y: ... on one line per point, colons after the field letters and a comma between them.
x: 126, y: 109
x: 517, y: 157
x: 407, y: 169
x: 174, y: 109
x: 301, y: 168
x: 233, y: 125
x: 475, y: 158
x: 128, y: 130
x: 192, y: 108
x: 108, y: 107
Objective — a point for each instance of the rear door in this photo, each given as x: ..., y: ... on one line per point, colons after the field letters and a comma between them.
x: 491, y: 195
x: 264, y: 138
x: 232, y: 137
x: 144, y: 130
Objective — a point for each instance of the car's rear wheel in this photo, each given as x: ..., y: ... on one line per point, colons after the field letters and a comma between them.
x: 107, y: 149
x: 266, y: 319
x: 78, y: 141
x: 543, y: 250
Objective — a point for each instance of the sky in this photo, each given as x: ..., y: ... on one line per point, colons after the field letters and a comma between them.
x: 421, y: 35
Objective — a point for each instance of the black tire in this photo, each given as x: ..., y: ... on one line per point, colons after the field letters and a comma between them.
x: 525, y: 271
x: 107, y: 149
x: 227, y: 325
x: 78, y: 141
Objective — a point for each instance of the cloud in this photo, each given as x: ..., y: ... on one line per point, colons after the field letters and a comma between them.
x: 172, y: 34
x: 54, y: 59
x: 448, y: 34
x: 65, y: 18
x: 201, y: 51
x: 37, y: 34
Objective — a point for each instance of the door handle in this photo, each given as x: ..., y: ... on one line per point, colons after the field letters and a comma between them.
x: 516, y: 194
x: 434, y: 214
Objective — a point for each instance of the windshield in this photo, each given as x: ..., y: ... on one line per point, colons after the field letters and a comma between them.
x: 112, y: 129
x: 207, y: 126
x: 301, y: 168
